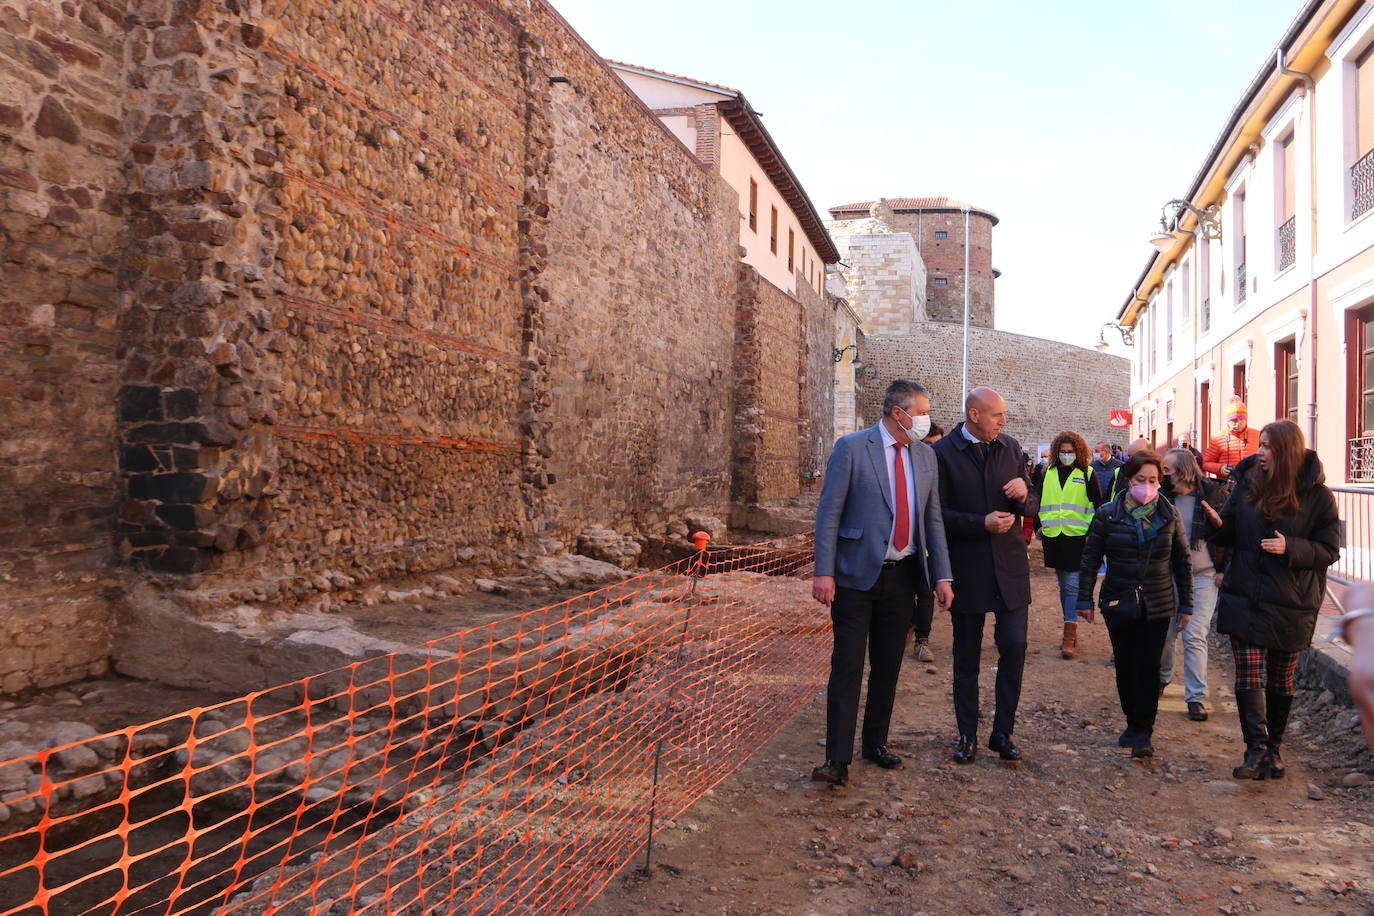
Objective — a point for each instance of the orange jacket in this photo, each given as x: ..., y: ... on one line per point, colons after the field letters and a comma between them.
x: 1226, y: 448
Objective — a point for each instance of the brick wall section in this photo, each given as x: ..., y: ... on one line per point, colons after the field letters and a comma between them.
x: 61, y: 183
x: 817, y: 387
x: 642, y: 253
x: 944, y: 258
x: 1048, y: 386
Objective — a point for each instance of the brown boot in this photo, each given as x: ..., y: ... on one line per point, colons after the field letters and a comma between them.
x: 1069, y: 647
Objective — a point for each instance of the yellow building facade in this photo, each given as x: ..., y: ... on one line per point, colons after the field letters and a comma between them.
x: 1262, y: 284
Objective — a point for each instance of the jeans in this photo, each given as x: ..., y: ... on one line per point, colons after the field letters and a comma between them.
x: 1194, y: 641
x: 1068, y: 593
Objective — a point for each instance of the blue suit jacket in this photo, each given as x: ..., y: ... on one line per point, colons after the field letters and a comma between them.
x: 854, y: 519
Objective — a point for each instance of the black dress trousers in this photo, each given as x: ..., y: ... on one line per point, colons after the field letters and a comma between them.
x: 877, y: 619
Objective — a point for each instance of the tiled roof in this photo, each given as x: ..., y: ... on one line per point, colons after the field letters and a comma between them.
x: 621, y: 65
x: 898, y: 204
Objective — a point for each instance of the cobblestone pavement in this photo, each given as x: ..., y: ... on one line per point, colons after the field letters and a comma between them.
x: 1077, y: 827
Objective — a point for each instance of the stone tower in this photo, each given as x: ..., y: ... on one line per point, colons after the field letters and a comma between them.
x: 937, y: 226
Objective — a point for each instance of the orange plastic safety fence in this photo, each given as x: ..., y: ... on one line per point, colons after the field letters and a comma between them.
x: 509, y: 768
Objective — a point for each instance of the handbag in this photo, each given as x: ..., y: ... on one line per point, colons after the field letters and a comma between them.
x: 1129, y: 607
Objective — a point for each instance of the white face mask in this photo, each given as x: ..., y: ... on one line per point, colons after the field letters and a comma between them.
x: 1067, y: 458
x: 920, y: 426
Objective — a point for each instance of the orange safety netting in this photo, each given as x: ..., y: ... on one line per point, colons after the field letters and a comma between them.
x: 509, y: 768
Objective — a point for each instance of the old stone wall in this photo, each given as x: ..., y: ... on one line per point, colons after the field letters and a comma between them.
x: 642, y: 254
x: 1048, y: 386
x: 61, y: 203
x: 885, y: 279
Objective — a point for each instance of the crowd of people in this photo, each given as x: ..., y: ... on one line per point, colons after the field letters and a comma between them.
x: 912, y: 518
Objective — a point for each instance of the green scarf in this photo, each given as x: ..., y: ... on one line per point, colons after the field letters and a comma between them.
x: 1144, y: 517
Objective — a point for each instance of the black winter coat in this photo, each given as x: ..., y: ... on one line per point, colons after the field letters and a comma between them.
x: 1269, y: 600
x: 991, y: 571
x: 1169, y: 574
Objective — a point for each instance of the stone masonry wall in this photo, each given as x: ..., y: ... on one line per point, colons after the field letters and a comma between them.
x: 640, y: 324
x: 1048, y: 386
x: 885, y: 281
x: 302, y: 294
x: 61, y: 203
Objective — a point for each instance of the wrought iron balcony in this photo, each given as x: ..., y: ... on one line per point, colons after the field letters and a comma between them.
x: 1362, y: 185
x: 1362, y: 459
x: 1288, y: 243
x: 1205, y: 314
x: 1240, y: 283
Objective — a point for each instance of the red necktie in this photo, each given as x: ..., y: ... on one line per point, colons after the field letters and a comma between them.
x: 901, y: 531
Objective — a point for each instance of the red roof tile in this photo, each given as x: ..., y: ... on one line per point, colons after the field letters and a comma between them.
x: 898, y: 204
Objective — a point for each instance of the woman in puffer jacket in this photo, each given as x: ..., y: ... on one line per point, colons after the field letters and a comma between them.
x: 1148, y: 571
x: 1283, y: 523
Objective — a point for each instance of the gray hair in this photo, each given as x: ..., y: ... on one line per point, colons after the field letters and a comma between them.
x: 900, y: 393
x: 1186, y: 471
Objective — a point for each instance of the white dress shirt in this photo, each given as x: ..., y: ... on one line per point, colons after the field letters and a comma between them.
x: 889, y: 459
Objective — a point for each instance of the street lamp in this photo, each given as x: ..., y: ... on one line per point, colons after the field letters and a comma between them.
x: 1208, y: 220
x: 837, y: 353
x: 1127, y: 335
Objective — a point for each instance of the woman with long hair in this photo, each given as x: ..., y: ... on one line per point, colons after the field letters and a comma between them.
x: 1068, y: 497
x: 1283, y: 524
x: 1148, y: 585
x: 1191, y: 493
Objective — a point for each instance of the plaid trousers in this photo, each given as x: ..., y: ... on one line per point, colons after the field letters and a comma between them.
x: 1253, y: 663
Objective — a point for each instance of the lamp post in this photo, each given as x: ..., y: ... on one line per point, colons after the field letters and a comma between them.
x: 1127, y: 335
x: 1208, y: 220
x: 966, y: 303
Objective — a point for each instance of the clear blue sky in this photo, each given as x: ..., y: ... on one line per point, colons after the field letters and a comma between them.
x: 1073, y: 121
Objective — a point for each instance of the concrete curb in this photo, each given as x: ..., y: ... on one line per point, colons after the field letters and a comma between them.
x: 1326, y: 666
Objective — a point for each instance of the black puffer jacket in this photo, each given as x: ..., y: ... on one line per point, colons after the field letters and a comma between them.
x: 1269, y: 600
x: 1113, y: 534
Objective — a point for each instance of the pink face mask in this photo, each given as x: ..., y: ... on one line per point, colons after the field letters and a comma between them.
x: 1144, y: 493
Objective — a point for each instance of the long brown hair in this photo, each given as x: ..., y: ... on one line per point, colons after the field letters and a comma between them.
x: 1275, y: 491
x: 1074, y: 441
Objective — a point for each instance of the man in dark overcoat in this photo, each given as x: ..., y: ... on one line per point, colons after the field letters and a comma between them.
x: 984, y: 493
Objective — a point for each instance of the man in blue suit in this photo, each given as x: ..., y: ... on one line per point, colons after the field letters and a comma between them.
x: 879, y: 539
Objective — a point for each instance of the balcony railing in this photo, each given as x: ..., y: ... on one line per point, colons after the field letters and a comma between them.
x: 1240, y: 283
x: 1362, y: 459
x: 1288, y: 243
x: 1362, y: 185
x: 1206, y: 314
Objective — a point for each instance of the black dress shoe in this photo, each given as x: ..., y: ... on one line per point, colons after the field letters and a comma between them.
x: 1142, y: 747
x: 837, y: 774
x: 1196, y: 711
x: 967, y: 749
x: 883, y: 757
x: 1003, y: 746
x: 1127, y: 737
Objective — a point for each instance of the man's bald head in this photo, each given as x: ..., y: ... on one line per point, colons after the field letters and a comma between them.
x: 1139, y: 445
x: 985, y: 413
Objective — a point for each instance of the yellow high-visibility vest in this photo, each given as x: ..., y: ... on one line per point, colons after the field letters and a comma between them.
x: 1065, y: 509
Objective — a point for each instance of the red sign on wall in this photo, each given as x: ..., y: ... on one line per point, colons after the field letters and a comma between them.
x: 1119, y: 419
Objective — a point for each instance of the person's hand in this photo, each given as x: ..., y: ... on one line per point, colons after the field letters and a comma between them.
x: 1219, y: 577
x: 1016, y: 489
x: 1087, y: 615
x: 998, y: 522
x: 823, y: 589
x: 1227, y: 469
x: 1211, y: 514
x: 1183, y: 621
x: 944, y: 595
x: 1275, y: 545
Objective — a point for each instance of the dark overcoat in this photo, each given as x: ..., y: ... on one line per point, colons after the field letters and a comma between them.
x: 1269, y: 600
x: 991, y: 571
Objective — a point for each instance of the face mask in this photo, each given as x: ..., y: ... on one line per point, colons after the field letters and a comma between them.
x: 920, y: 426
x: 1067, y: 458
x: 1144, y: 493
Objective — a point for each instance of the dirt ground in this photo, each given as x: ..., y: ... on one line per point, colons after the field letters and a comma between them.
x: 1077, y: 826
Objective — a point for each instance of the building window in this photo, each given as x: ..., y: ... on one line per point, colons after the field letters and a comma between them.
x: 1362, y: 132
x: 1205, y: 269
x: 753, y: 205
x: 1154, y: 349
x: 1361, y: 374
x: 1185, y: 294
x: 941, y: 281
x: 1285, y: 236
x: 1239, y: 223
x: 773, y: 231
x: 1286, y: 378
x: 1169, y: 323
x: 791, y: 249
x: 1204, y: 393
x: 1238, y: 384
x: 941, y: 234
